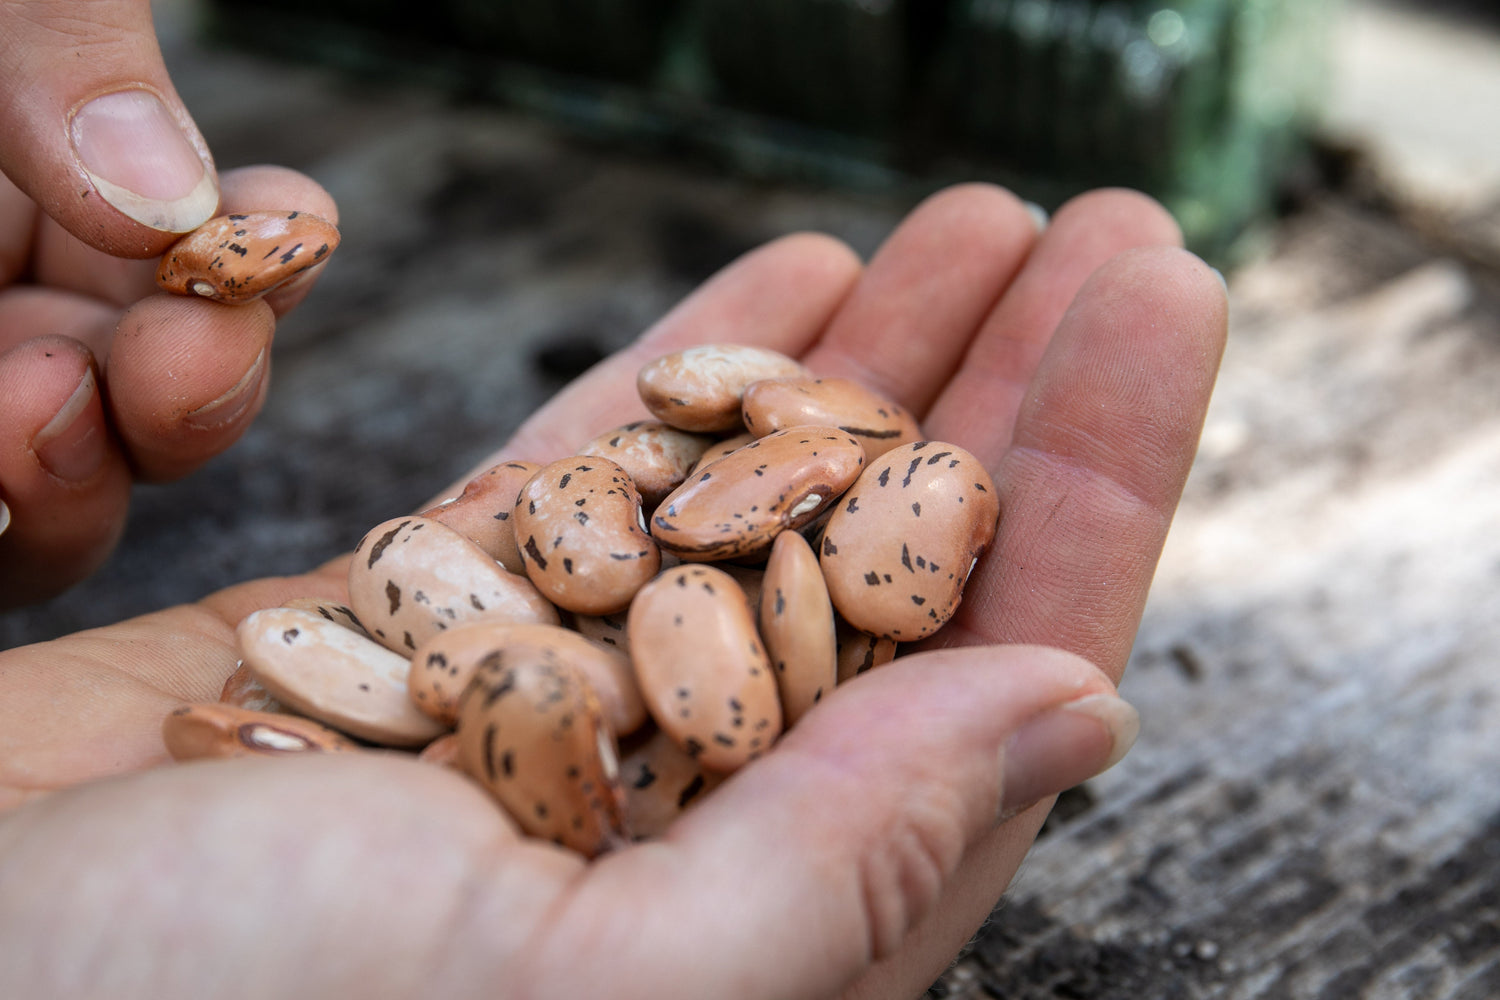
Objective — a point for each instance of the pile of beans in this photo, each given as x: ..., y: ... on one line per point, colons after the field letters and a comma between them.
x: 599, y: 641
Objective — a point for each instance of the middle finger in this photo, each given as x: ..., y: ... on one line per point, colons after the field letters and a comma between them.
x: 908, y: 322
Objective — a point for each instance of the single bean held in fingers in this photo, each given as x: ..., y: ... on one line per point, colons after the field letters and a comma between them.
x: 238, y: 258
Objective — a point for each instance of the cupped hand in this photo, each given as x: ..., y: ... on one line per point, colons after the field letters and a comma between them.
x: 854, y: 859
x: 102, y: 379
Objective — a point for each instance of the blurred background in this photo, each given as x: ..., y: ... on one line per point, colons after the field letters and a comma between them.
x: 1311, y: 810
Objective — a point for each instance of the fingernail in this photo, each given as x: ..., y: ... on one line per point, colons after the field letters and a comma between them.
x: 1064, y: 747
x: 232, y: 405
x: 141, y: 162
x: 72, y: 445
x: 1039, y: 215
x: 1223, y: 281
x: 4, y: 517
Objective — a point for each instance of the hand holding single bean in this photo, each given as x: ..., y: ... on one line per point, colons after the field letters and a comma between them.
x: 852, y: 858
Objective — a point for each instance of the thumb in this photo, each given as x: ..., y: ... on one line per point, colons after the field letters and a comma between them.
x: 828, y: 851
x: 94, y: 131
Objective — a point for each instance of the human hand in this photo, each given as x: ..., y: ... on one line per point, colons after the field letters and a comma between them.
x: 102, y: 379
x: 854, y: 859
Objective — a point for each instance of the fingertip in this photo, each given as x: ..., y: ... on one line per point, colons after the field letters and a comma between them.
x: 1160, y: 288
x: 1121, y: 217
x: 268, y: 187
x: 186, y: 378
x: 64, y: 482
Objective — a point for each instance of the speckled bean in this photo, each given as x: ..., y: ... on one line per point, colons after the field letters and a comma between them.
x: 582, y: 536
x: 722, y: 447
x: 412, y: 577
x: 900, y: 545
x: 534, y: 734
x: 237, y: 258
x: 737, y: 506
x: 796, y: 622
x: 339, y: 614
x: 655, y: 456
x: 326, y: 672
x: 481, y: 513
x: 699, y: 388
x: 607, y: 629
x: 877, y: 423
x: 442, y: 667
x: 216, y: 730
x: 661, y: 783
x: 859, y: 651
x: 242, y: 690
x: 701, y: 667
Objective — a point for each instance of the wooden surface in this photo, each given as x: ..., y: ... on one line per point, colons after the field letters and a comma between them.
x: 1312, y: 809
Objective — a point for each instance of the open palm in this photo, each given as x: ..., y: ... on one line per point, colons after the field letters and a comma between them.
x: 856, y: 858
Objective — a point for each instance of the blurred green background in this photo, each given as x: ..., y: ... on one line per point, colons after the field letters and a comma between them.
x: 1205, y: 104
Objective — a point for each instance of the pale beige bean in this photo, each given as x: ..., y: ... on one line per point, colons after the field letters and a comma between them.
x: 899, y: 548
x: 481, y: 513
x: 720, y: 448
x: 796, y: 622
x: 699, y: 388
x: 534, y: 734
x: 736, y: 507
x: 583, y: 541
x: 237, y: 258
x: 661, y: 783
x: 412, y: 577
x: 655, y: 456
x: 702, y: 668
x: 859, y: 651
x: 876, y: 422
x: 442, y: 667
x: 216, y: 730
x: 326, y: 672
x: 242, y: 690
x: 340, y: 614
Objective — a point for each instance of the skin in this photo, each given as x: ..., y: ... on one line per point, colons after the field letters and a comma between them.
x: 1076, y: 363
x: 158, y: 384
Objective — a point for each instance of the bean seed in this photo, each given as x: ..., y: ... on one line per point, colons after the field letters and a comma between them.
x: 700, y: 388
x: 238, y: 258
x: 534, y: 734
x: 701, y: 666
x: 217, y: 730
x: 899, y: 547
